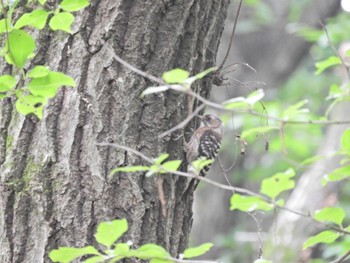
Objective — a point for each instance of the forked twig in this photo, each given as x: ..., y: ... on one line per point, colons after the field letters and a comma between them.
x: 182, y: 124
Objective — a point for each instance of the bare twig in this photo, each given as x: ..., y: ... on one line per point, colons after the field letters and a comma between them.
x: 126, y: 148
x: 219, y: 106
x: 227, y: 169
x: 182, y: 124
x: 259, y: 229
x: 347, y: 69
x: 342, y: 258
x: 285, y: 121
x: 232, y: 34
x: 132, y: 68
x: 222, y: 186
x: 251, y: 214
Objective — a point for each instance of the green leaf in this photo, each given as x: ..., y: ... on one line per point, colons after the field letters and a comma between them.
x: 74, y: 5
x: 122, y: 249
x: 2, y: 96
x: 158, y: 260
x: 205, y: 72
x: 280, y: 202
x: 335, y: 91
x: 47, y: 86
x: 5, y: 25
x: 177, y: 75
x: 68, y: 254
x: 337, y: 175
x: 161, y: 158
x: 62, y: 21
x: 313, y: 159
x: 130, y: 169
x: 31, y: 104
x: 309, y: 33
x: 152, y: 90
x: 38, y: 72
x: 171, y: 165
x: 323, y: 237
x: 42, y: 2
x: 345, y: 141
x: 151, y: 251
x: 238, y: 102
x: 36, y: 19
x: 109, y: 232
x: 19, y: 47
x: 262, y: 129
x: 199, y: 164
x: 330, y: 214
x: 7, y: 82
x: 347, y: 53
x: 249, y: 203
x: 95, y: 259
x: 329, y: 62
x: 260, y: 260
x: 295, y: 109
x: 197, y: 251
x: 255, y: 96
x: 278, y: 183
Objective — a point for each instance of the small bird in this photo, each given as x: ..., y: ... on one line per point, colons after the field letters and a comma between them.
x: 205, y: 143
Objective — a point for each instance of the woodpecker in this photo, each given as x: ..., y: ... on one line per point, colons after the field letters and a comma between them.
x: 205, y: 143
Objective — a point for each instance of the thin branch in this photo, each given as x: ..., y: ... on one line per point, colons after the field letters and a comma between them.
x: 255, y: 113
x: 128, y: 149
x: 182, y: 124
x: 219, y: 106
x: 251, y: 214
x: 132, y: 68
x: 342, y: 258
x: 281, y: 120
x: 347, y: 69
x: 222, y: 186
x: 259, y: 229
x: 232, y: 34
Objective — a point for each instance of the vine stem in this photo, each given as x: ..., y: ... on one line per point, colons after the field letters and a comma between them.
x: 219, y: 106
x: 234, y: 189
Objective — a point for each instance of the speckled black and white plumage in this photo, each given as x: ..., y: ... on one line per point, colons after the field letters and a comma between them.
x: 209, y: 146
x: 205, y: 143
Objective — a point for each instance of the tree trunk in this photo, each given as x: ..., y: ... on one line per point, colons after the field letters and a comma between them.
x: 55, y: 187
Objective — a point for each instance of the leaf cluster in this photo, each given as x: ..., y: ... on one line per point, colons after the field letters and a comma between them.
x: 33, y: 89
x: 107, y: 234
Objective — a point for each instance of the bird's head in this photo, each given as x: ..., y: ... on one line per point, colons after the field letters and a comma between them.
x: 211, y: 121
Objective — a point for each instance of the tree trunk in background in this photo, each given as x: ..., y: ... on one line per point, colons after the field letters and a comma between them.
x: 290, y: 230
x: 309, y: 194
x: 275, y: 54
x: 54, y: 186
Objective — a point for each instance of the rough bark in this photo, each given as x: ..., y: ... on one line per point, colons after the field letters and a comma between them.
x: 55, y: 187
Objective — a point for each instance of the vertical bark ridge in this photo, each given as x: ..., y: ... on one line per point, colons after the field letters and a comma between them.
x: 59, y: 183
x: 5, y: 140
x: 16, y: 208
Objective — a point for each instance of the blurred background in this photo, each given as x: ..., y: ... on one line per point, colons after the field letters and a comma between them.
x: 275, y: 48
